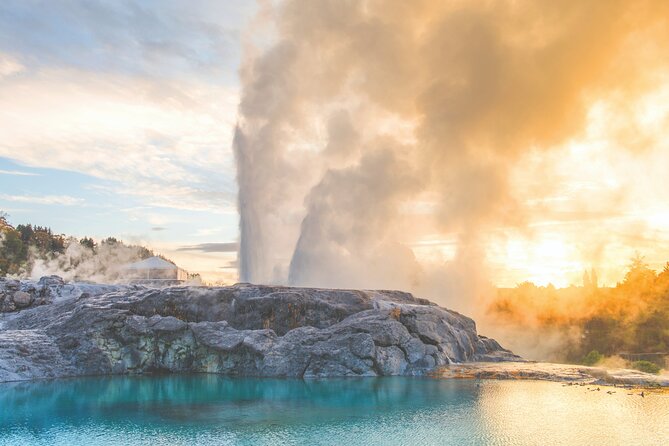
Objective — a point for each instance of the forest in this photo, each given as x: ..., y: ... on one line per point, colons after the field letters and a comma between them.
x: 29, y: 247
x: 628, y: 320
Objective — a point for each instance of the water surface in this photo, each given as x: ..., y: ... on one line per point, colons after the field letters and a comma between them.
x: 210, y: 409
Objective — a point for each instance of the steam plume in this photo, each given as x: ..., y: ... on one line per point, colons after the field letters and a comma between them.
x: 368, y: 125
x: 102, y: 265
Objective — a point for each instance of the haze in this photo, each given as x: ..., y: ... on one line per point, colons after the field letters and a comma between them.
x: 437, y: 147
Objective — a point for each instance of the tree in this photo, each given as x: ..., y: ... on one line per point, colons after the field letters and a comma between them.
x: 41, y: 240
x: 663, y: 280
x: 88, y: 243
x: 12, y: 252
x: 110, y: 241
x: 3, y: 219
x: 639, y: 277
x: 20, y: 248
x: 27, y: 232
x: 587, y: 284
x: 57, y: 244
x: 652, y: 332
x: 604, y: 334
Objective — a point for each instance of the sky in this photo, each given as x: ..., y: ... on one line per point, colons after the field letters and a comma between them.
x: 378, y: 146
x: 116, y: 120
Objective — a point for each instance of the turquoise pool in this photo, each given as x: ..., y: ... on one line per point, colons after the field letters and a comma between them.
x: 213, y: 410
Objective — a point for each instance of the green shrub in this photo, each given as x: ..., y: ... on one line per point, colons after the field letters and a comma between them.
x: 646, y: 366
x: 592, y: 358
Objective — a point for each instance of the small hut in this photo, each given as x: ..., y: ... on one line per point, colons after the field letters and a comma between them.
x: 155, y: 269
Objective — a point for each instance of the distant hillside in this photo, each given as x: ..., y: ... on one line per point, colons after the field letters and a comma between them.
x: 28, y: 249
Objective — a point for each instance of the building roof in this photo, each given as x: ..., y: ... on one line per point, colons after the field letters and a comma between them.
x: 152, y: 263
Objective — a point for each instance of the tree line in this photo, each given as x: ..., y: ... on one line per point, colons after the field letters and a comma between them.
x: 593, y: 322
x: 24, y: 244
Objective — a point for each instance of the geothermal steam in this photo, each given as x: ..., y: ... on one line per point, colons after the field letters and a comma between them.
x: 368, y: 125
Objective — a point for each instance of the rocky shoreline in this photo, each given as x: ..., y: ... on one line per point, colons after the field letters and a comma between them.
x: 565, y: 373
x: 241, y: 330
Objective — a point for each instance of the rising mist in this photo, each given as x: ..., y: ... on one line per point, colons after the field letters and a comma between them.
x: 369, y: 130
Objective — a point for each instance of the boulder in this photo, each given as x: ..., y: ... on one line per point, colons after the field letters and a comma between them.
x: 22, y: 299
x: 48, y: 281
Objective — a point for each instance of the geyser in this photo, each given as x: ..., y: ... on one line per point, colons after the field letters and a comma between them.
x: 366, y: 126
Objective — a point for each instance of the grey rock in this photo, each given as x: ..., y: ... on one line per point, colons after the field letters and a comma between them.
x: 242, y: 330
x: 50, y: 289
x: 391, y: 360
x: 30, y: 354
x: 22, y: 299
x: 166, y: 324
x: 12, y: 284
x: 48, y: 281
x: 415, y: 350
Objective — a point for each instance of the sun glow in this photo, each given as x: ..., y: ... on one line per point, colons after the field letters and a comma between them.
x: 545, y: 261
x: 605, y: 199
x: 589, y: 203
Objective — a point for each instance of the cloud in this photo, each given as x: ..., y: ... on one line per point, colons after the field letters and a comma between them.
x: 162, y: 142
x: 18, y: 173
x: 160, y: 39
x: 9, y: 66
x: 60, y: 200
x: 212, y: 247
x: 161, y: 76
x: 158, y: 228
x: 207, y: 232
x: 232, y: 264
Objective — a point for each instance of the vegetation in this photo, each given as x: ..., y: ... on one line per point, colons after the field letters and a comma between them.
x: 25, y: 246
x: 592, y: 358
x: 17, y: 245
x: 646, y: 366
x: 592, y: 322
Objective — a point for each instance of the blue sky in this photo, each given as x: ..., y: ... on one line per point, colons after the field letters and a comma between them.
x: 116, y: 120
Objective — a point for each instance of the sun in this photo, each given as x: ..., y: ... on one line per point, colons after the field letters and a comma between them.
x: 547, y: 260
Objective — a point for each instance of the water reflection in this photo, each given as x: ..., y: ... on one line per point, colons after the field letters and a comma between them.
x: 214, y: 409
x: 520, y: 412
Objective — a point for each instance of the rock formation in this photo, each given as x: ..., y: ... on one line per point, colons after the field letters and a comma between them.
x: 16, y: 295
x: 242, y: 330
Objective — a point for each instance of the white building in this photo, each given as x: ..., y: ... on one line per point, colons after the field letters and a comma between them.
x: 155, y: 269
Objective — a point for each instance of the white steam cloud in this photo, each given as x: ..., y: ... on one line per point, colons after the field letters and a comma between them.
x: 368, y: 125
x: 81, y: 263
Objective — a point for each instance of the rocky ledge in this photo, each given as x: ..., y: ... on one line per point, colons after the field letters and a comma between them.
x: 566, y: 373
x: 17, y: 295
x: 241, y: 330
